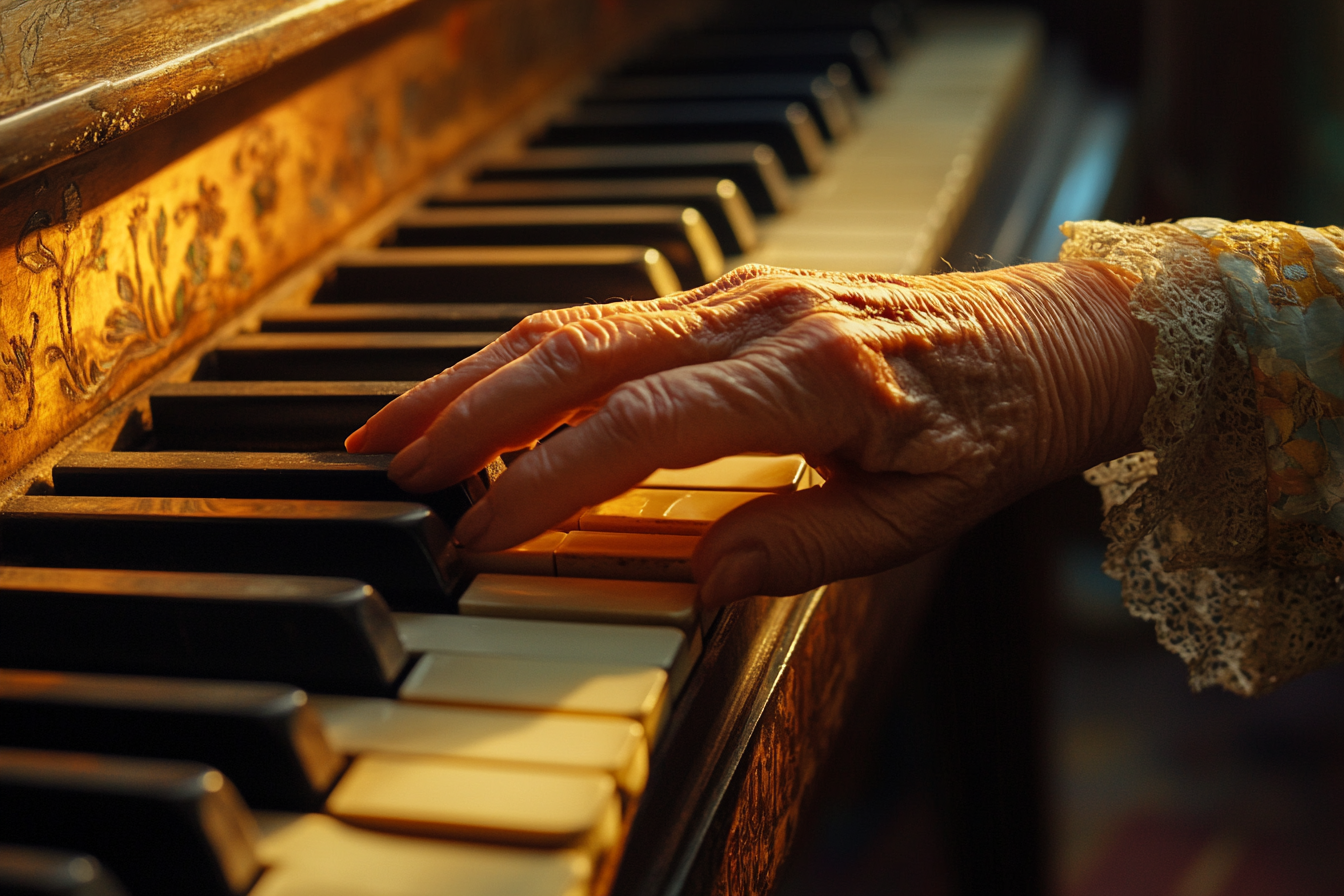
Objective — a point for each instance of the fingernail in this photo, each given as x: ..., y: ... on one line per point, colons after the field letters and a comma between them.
x: 736, y: 576
x: 356, y: 440
x: 474, y: 523
x: 409, y: 460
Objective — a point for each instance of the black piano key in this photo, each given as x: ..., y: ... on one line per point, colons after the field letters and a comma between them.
x: 164, y: 828
x: 33, y: 871
x: 302, y: 476
x: 888, y: 21
x: 806, y: 52
x: 264, y: 737
x: 403, y: 550
x: 283, y: 416
x: 387, y: 318
x: 340, y: 356
x: 819, y: 93
x: 754, y: 167
x: 787, y: 128
x: 719, y: 200
x: 324, y: 634
x: 499, y: 273
x: 679, y: 232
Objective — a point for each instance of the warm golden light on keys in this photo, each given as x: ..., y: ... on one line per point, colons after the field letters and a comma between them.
x: 598, y: 555
x: 742, y: 472
x: 581, y: 600
x: 367, y: 724
x: 660, y: 511
x: 452, y: 798
x: 624, y: 555
x: 632, y: 692
x: 534, y: 557
x: 317, y: 855
x: 669, y: 649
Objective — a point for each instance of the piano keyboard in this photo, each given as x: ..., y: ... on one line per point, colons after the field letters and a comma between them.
x: 473, y: 723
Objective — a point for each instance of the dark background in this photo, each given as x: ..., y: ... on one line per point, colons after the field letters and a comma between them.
x: 1039, y: 740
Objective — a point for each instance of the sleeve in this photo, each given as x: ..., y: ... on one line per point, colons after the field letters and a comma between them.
x: 1227, y: 532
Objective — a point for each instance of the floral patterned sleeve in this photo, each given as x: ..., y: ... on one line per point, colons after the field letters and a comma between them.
x: 1228, y: 531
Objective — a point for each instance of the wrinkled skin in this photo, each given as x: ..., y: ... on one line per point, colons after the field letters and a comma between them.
x: 928, y: 403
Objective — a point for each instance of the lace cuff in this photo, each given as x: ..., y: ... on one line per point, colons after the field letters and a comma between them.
x: 1225, y: 532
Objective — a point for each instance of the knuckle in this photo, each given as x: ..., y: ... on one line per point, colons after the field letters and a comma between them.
x: 574, y: 345
x: 833, y: 339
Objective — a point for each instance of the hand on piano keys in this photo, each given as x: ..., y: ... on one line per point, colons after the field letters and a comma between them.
x: 930, y: 402
x: 176, y: 650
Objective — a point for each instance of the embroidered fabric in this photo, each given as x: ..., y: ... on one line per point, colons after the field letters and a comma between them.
x: 1187, y: 518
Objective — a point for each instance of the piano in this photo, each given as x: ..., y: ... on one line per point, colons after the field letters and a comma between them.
x: 234, y: 660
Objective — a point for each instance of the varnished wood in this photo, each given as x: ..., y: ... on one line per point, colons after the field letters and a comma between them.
x: 76, y: 75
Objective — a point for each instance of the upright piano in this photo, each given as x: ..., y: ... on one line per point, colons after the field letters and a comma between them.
x: 234, y: 660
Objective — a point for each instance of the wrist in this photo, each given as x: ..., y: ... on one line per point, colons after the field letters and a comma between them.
x: 1095, y: 360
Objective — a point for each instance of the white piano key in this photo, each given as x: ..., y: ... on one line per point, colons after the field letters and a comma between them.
x: 663, y: 511
x: 522, y: 806
x: 367, y: 724
x: 534, y: 557
x: 667, y: 648
x: 600, y: 555
x: 317, y: 855
x: 582, y: 600
x: 743, y: 473
x: 625, y: 555
x: 511, y: 682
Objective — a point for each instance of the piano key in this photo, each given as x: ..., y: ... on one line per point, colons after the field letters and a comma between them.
x: 818, y: 92
x: 618, y: 555
x: 787, y: 128
x: 450, y: 798
x: 283, y: 416
x: 264, y: 737
x: 805, y: 52
x: 754, y: 167
x: 719, y: 200
x: 534, y: 557
x: 390, y: 318
x: 743, y: 473
x: 597, y: 555
x: 581, y: 600
x: 667, y: 648
x: 888, y: 21
x: 250, y: 474
x: 164, y: 828
x: 31, y: 871
x: 323, y: 633
x: 680, y: 233
x: 518, y: 682
x: 317, y: 855
x: 663, y: 511
x: 367, y: 724
x: 340, y: 356
x: 401, y: 549
x: 499, y: 273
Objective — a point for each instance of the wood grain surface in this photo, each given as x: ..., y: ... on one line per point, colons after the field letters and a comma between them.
x: 75, y: 74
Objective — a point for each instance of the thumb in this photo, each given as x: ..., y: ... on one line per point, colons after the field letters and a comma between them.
x: 786, y: 544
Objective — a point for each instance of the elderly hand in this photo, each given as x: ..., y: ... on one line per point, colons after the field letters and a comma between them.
x: 927, y: 402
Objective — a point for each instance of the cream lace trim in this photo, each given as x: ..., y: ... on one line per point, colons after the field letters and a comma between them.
x: 1187, y: 518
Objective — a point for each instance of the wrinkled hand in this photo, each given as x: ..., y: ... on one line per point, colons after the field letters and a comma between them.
x: 928, y: 403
